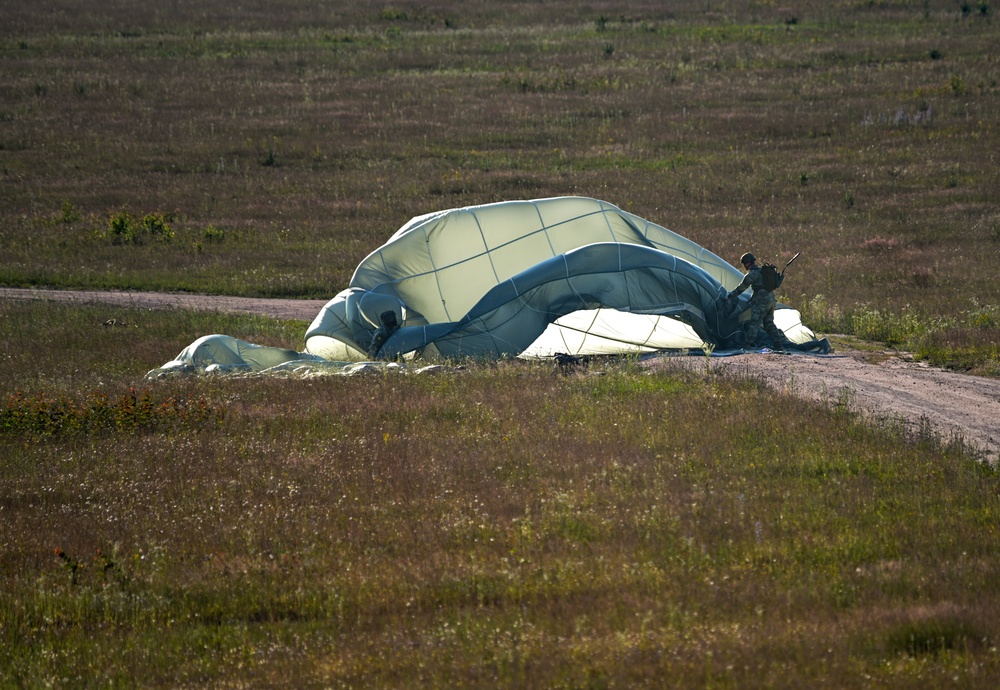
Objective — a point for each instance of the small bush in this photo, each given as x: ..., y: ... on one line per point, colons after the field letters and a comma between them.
x: 394, y: 14
x: 156, y: 225
x: 121, y: 227
x: 214, y: 234
x: 125, y: 228
x: 68, y: 213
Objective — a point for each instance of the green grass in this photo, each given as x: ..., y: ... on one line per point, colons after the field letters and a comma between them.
x: 501, y: 525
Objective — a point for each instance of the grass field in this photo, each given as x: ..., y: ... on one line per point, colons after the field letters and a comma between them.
x: 504, y: 525
x: 281, y: 147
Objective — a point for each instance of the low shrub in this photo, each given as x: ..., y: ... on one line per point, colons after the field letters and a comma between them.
x: 125, y: 228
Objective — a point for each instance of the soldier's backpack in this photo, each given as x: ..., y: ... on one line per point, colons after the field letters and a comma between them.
x: 769, y: 274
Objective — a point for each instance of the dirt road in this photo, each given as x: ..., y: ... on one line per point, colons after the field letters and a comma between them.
x: 303, y: 310
x: 885, y: 384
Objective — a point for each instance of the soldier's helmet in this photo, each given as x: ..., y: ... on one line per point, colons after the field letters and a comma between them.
x: 747, y: 258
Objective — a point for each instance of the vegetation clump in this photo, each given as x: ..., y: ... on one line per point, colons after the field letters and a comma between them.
x: 60, y: 415
x: 124, y: 228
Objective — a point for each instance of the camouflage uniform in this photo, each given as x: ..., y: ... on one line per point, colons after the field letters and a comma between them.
x: 761, y: 310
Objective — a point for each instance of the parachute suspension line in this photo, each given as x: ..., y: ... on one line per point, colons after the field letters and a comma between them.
x: 565, y: 343
x: 609, y: 337
x: 652, y: 330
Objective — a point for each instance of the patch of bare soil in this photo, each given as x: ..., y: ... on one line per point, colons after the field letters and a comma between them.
x: 950, y: 404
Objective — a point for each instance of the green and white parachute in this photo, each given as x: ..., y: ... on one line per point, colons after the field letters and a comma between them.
x: 532, y: 278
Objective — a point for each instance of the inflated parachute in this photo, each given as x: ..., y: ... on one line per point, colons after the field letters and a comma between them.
x: 519, y: 278
x: 534, y: 278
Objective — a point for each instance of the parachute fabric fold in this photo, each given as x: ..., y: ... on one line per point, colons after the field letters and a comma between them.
x: 223, y: 353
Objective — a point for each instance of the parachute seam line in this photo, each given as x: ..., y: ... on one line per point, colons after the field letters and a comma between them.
x: 381, y: 258
x: 544, y: 228
x: 673, y: 268
x: 628, y: 289
x: 489, y: 252
x: 569, y: 281
x: 611, y: 230
x: 434, y: 270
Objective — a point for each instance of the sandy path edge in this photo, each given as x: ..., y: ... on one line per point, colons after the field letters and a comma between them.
x: 952, y: 404
x: 292, y: 309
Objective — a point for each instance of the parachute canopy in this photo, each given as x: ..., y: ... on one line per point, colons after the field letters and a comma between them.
x: 533, y: 278
x: 521, y: 278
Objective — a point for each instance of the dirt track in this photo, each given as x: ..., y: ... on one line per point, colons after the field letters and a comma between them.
x: 304, y: 310
x: 952, y: 404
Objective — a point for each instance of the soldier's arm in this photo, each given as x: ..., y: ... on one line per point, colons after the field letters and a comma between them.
x: 744, y: 284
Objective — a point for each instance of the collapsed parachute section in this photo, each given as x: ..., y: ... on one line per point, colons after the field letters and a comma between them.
x: 533, y: 278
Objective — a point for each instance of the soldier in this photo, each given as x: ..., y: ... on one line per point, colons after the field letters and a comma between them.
x: 762, y: 303
x: 389, y: 326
